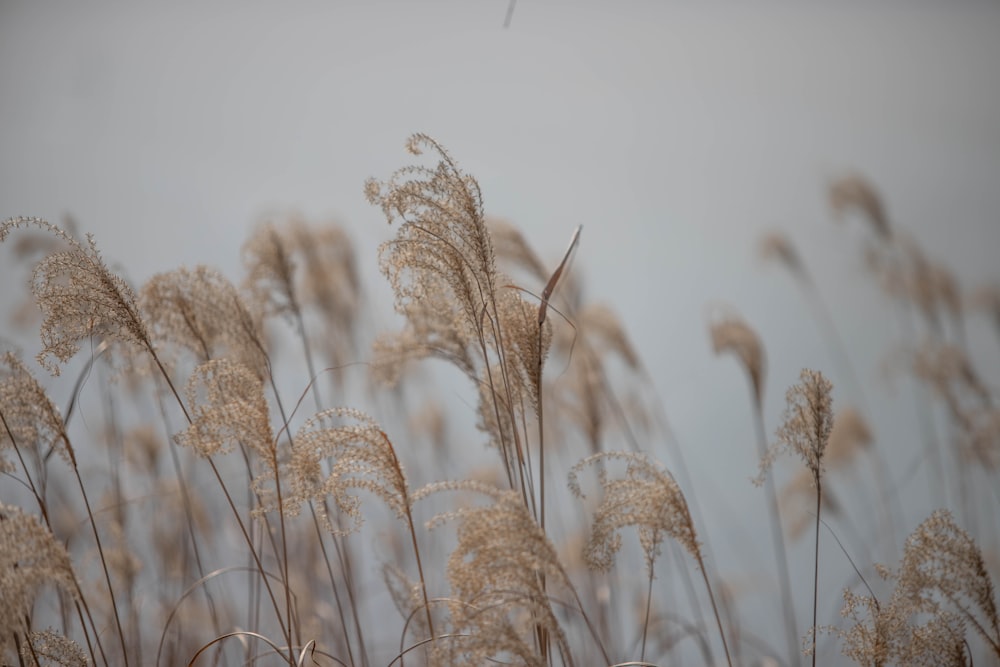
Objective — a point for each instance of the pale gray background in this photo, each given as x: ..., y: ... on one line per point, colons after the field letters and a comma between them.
x: 675, y: 132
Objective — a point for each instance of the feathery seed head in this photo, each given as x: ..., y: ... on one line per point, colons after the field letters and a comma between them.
x: 495, y: 573
x: 199, y: 312
x: 229, y: 408
x: 775, y: 246
x: 647, y: 497
x: 732, y: 334
x: 28, y: 414
x: 808, y: 421
x: 79, y: 298
x: 341, y: 450
x: 854, y: 193
x: 47, y: 648
x: 30, y: 558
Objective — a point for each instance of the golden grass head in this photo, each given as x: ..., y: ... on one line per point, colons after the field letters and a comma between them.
x: 79, y: 298
x: 853, y: 193
x: 942, y: 588
x: 647, y: 497
x: 776, y: 246
x: 731, y: 334
x: 29, y: 415
x: 229, y: 408
x: 807, y: 424
x: 199, y: 312
x: 357, y: 454
x: 496, y: 573
x: 47, y: 648
x: 30, y: 559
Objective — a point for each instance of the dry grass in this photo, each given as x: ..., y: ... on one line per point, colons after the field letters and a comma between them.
x: 216, y: 517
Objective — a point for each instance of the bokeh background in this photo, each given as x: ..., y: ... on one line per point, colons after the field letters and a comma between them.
x: 677, y: 133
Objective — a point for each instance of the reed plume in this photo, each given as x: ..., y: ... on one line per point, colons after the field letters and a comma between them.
x: 730, y: 333
x: 942, y: 589
x: 199, y: 313
x: 47, y: 648
x: 805, y: 431
x: 649, y: 499
x: 30, y: 559
x: 79, y: 298
x: 498, y: 601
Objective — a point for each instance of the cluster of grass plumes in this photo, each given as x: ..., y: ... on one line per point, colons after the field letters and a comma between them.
x: 220, y: 510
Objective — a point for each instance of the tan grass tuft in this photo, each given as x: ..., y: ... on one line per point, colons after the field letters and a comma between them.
x: 807, y: 424
x: 229, y: 409
x: 731, y: 334
x: 30, y: 559
x: 30, y: 419
x: 79, y: 298
x: 47, y: 648
x: 338, y: 451
x: 647, y: 497
x: 496, y: 573
x: 199, y: 312
x: 853, y: 193
x: 942, y: 588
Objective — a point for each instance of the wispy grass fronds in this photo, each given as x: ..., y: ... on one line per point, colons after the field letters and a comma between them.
x: 648, y: 498
x: 807, y: 424
x: 295, y: 269
x: 805, y: 431
x: 46, y: 648
x: 79, y: 298
x: 199, y: 312
x: 943, y: 570
x: 942, y: 588
x: 855, y: 194
x: 496, y: 572
x: 731, y: 334
x: 30, y: 559
x: 228, y: 409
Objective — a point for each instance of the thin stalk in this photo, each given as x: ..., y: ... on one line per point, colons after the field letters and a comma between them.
x: 229, y: 499
x: 645, y: 620
x: 777, y: 539
x: 715, y: 610
x: 100, y: 548
x: 413, y: 535
x: 819, y: 491
x: 188, y: 513
x: 45, y: 517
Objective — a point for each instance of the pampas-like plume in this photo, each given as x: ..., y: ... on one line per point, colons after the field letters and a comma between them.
x: 198, y: 311
x: 854, y: 193
x: 732, y: 334
x: 79, y: 297
x: 496, y: 574
x: 943, y: 570
x: 29, y: 418
x: 50, y: 649
x: 807, y: 424
x: 806, y: 431
x: 30, y: 558
x: 229, y: 408
x: 442, y: 268
x: 359, y: 456
x: 942, y: 588
x: 294, y: 267
x: 442, y: 245
x: 647, y: 497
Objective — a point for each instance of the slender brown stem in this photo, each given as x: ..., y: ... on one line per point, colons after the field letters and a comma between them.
x: 778, y: 540
x: 715, y: 610
x: 100, y: 549
x: 819, y: 493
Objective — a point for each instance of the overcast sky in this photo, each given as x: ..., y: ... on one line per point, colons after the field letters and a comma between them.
x: 675, y: 132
